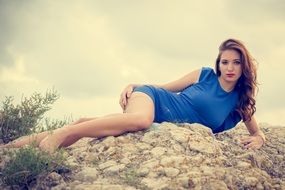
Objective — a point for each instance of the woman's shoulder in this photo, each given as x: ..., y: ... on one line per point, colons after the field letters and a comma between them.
x: 206, y: 73
x: 207, y: 69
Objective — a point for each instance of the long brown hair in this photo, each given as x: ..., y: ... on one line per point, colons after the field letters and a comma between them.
x: 247, y: 84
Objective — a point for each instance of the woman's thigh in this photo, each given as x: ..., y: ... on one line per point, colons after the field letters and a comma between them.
x: 140, y: 103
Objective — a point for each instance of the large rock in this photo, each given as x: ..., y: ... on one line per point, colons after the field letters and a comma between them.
x: 169, y: 156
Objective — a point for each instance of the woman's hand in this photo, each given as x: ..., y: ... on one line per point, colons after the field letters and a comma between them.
x: 253, y: 142
x: 126, y: 94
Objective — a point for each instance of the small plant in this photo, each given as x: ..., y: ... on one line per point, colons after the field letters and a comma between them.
x: 22, y: 119
x: 95, y: 161
x: 131, y: 177
x: 29, y: 162
x: 48, y: 124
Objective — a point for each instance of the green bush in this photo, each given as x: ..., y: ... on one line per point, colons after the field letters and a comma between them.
x: 27, y: 163
x: 25, y: 118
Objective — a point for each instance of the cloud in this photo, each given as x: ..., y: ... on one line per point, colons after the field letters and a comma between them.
x: 255, y: 12
x: 89, y: 49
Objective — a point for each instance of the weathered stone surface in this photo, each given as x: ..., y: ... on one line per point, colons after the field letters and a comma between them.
x: 152, y: 183
x: 87, y: 174
x: 115, y: 169
x: 107, y: 164
x: 168, y: 156
x: 158, y: 151
x: 171, y: 172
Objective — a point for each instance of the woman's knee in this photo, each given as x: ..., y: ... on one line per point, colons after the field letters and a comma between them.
x: 80, y: 120
x: 83, y: 119
x: 143, y: 121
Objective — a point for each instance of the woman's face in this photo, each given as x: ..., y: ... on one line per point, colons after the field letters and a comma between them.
x: 230, y: 66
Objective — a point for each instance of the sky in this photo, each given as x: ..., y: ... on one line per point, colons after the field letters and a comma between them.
x: 89, y: 50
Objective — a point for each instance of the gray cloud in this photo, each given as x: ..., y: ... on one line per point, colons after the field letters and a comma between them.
x: 255, y: 12
x: 94, y: 48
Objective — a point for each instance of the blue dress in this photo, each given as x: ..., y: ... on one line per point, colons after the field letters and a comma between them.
x: 204, y: 102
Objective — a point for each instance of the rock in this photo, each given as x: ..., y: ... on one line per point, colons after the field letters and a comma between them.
x: 183, y: 181
x: 220, y: 173
x: 171, y: 172
x: 143, y: 146
x: 172, y: 161
x: 159, y: 183
x: 251, y: 181
x: 99, y: 186
x: 87, y: 174
x: 129, y: 148
x: 243, y: 165
x: 143, y: 172
x: 114, y: 169
x: 194, y: 182
x: 125, y: 161
x: 259, y: 186
x: 158, y: 151
x: 216, y: 185
x: 180, y: 136
x: 107, y: 164
x: 204, y: 147
x: 153, y: 163
x: 71, y: 161
x: 109, y: 141
x: 53, y: 179
x: 167, y: 156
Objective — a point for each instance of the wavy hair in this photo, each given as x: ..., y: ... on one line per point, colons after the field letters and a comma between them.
x: 247, y: 83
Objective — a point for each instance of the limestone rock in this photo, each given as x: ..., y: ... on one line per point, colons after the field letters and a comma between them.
x: 172, y: 156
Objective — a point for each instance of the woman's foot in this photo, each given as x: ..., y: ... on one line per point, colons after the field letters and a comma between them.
x: 53, y: 140
x: 8, y: 145
x: 34, y: 139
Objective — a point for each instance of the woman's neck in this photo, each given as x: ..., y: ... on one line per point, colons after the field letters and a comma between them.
x: 227, y: 86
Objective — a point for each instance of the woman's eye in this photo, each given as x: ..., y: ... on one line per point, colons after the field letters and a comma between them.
x: 224, y: 62
x: 237, y: 62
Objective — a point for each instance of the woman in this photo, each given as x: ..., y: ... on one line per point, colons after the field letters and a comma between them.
x: 218, y: 100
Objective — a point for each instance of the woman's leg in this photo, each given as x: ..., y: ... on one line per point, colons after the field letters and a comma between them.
x: 138, y: 115
x: 24, y: 140
x: 73, y: 139
x: 38, y: 137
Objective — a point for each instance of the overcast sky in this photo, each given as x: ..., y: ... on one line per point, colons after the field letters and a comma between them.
x: 90, y: 50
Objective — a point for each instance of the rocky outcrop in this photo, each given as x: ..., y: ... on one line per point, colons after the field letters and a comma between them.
x: 168, y: 156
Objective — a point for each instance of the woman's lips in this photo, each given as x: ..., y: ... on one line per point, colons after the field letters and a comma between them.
x: 231, y: 75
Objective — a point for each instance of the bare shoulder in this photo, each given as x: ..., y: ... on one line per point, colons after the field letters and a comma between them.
x: 196, y: 75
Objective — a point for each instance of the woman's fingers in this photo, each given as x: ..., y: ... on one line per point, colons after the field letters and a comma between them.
x: 249, y: 145
x: 251, y: 142
x: 125, y: 95
x: 246, y: 140
x: 129, y: 91
x: 122, y: 100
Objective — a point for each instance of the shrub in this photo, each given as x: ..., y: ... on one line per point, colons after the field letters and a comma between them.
x: 22, y: 119
x: 27, y: 163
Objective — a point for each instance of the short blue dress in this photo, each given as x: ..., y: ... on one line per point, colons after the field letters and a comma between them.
x: 204, y: 102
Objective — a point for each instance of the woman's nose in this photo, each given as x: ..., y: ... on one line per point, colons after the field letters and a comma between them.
x: 230, y: 67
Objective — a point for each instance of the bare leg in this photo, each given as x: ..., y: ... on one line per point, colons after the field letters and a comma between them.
x: 73, y: 139
x: 138, y: 115
x: 38, y: 137
x: 34, y: 138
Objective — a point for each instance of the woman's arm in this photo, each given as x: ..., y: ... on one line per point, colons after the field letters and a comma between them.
x: 180, y: 84
x: 257, y: 138
x: 253, y: 128
x: 174, y: 86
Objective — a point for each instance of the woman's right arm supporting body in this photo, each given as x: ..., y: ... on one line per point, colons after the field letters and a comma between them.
x: 174, y: 86
x: 181, y: 83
